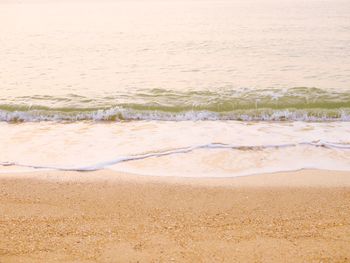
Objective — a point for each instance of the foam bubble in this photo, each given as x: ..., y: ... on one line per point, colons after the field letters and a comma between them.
x: 119, y: 114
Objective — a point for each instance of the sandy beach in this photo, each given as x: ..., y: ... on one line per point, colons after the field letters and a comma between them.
x: 108, y: 217
x: 174, y: 131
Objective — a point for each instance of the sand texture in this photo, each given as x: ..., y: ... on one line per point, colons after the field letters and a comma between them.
x: 89, y: 217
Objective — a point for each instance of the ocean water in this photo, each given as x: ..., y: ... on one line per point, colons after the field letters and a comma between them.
x: 175, y: 88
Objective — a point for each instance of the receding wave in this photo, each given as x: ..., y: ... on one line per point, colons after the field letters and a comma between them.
x: 184, y: 150
x: 302, y: 104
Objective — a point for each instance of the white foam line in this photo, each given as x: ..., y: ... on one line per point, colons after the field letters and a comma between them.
x: 121, y: 159
x: 117, y: 113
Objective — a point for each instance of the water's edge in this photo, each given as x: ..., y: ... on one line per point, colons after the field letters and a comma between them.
x: 184, y: 150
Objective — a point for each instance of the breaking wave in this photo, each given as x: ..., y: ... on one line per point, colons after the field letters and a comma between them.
x: 124, y: 114
x: 296, y: 104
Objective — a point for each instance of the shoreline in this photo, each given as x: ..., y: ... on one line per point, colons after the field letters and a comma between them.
x: 109, y: 217
x: 299, y: 178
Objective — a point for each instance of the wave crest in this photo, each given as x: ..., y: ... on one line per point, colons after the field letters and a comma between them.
x: 121, y: 114
x: 272, y: 104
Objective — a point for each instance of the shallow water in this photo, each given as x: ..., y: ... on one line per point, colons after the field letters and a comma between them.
x: 230, y: 59
x: 189, y: 88
x: 202, y: 148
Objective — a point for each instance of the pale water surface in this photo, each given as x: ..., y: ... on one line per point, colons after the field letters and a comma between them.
x: 189, y: 88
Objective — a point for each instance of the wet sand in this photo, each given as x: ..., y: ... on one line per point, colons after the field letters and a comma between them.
x: 109, y: 217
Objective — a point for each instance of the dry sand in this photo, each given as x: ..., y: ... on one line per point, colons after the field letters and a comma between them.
x: 109, y: 217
